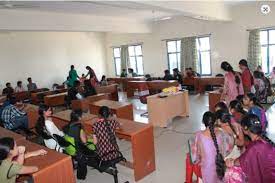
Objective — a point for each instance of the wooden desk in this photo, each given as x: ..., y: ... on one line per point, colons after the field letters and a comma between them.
x: 123, y: 82
x: 140, y: 135
x: 84, y: 103
x: 7, y: 133
x: 38, y: 97
x: 32, y: 112
x: 204, y: 81
x: 162, y: 110
x: 54, y: 167
x: 213, y: 98
x: 121, y: 109
x: 55, y: 100
x: 21, y: 96
x: 154, y: 86
x: 112, y: 89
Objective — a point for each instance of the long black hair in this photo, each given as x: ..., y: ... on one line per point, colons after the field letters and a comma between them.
x: 105, y: 113
x: 252, y: 123
x: 75, y: 115
x: 244, y: 63
x: 209, y: 121
x: 225, y: 117
x: 227, y: 67
x: 40, y: 124
x: 6, y: 145
x: 222, y: 106
x: 252, y: 97
x: 237, y: 105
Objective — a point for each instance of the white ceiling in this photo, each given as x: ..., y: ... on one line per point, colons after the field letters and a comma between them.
x: 105, y: 15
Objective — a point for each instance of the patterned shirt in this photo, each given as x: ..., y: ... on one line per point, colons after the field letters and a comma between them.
x: 105, y: 141
x: 9, y: 114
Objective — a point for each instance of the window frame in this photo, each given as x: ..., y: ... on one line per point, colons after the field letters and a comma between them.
x: 267, y: 45
x: 117, y: 74
x: 135, y: 56
x: 177, y: 52
x: 199, y: 56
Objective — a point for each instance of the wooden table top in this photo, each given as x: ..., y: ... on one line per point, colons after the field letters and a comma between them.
x: 66, y: 115
x: 7, y: 133
x: 111, y: 104
x: 56, y: 95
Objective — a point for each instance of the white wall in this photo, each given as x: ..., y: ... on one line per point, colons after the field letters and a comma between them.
x: 47, y: 56
x: 228, y: 40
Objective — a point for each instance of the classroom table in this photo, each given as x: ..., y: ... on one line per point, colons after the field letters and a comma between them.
x: 112, y: 89
x: 200, y: 83
x: 121, y: 109
x: 21, y: 96
x: 83, y: 104
x: 32, y: 113
x: 38, y: 97
x: 8, y: 133
x: 54, y: 167
x: 123, y: 82
x: 214, y: 97
x: 163, y: 110
x: 55, y: 99
x: 139, y: 134
x: 154, y: 86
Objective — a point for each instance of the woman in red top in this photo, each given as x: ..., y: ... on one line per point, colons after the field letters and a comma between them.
x: 247, y: 77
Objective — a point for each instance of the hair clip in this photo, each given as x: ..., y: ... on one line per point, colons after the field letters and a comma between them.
x: 257, y: 122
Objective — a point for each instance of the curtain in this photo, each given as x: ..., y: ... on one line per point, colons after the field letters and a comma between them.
x: 189, y: 55
x: 124, y: 56
x: 254, y: 49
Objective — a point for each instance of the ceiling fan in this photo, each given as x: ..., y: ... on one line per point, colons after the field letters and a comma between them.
x: 15, y: 5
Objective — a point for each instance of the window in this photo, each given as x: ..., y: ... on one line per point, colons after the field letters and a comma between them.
x: 173, y: 53
x: 135, y: 59
x: 117, y: 60
x: 203, y: 46
x: 267, y: 39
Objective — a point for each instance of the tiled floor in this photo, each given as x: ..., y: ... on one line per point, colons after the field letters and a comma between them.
x: 170, y: 145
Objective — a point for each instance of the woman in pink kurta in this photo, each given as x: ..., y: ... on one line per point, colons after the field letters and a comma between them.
x: 232, y: 84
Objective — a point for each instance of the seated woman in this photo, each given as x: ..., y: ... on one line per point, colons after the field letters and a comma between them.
x: 236, y: 110
x: 250, y: 101
x: 221, y: 106
x: 235, y: 136
x: 209, y: 149
x: 104, y: 135
x: 82, y: 148
x: 103, y: 81
x: 12, y: 160
x: 75, y: 92
x: 45, y: 127
x: 258, y: 161
x: 89, y: 90
x: 259, y: 85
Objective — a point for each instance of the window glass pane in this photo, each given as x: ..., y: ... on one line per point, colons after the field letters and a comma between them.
x: 138, y: 50
x: 118, y: 66
x: 171, y: 46
x: 263, y: 37
x: 205, y: 63
x: 140, y: 66
x: 133, y: 63
x: 131, y: 51
x: 264, y: 58
x: 197, y: 42
x: 272, y: 37
x: 178, y: 56
x: 173, y: 61
x: 116, y: 52
x: 271, y: 57
x: 178, y: 45
x: 204, y: 44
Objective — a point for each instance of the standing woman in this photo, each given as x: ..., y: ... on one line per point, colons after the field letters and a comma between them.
x: 91, y: 74
x: 247, y: 77
x: 258, y: 161
x: 72, y: 76
x: 232, y: 84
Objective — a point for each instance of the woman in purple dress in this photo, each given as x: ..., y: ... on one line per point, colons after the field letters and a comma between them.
x: 258, y: 161
x: 208, y: 151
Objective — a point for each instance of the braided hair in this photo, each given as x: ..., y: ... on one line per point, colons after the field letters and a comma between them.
x: 225, y: 117
x: 252, y: 123
x: 227, y: 67
x: 252, y: 97
x: 209, y: 121
x: 6, y: 145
